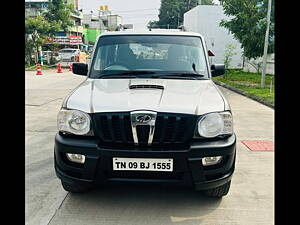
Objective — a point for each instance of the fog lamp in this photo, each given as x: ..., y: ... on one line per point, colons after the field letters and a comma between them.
x: 78, y: 158
x: 207, y: 161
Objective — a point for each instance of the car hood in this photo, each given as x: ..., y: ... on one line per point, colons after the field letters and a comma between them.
x: 164, y: 95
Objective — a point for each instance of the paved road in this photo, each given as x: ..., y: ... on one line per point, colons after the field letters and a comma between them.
x: 250, y: 200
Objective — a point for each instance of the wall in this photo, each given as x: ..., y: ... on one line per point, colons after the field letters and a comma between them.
x: 251, y: 65
x: 93, y: 21
x: 91, y: 34
x: 205, y: 19
x: 114, y: 20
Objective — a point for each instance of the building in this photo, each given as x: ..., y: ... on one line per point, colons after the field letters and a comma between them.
x: 35, y: 7
x: 111, y: 22
x: 92, y: 21
x: 205, y: 19
x: 92, y: 27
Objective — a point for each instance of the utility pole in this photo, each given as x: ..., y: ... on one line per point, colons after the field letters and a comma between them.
x: 263, y: 74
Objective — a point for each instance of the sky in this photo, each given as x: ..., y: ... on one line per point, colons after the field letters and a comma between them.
x: 136, y: 12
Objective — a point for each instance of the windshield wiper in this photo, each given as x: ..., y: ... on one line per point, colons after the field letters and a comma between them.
x: 152, y: 74
x: 194, y: 76
x: 125, y: 74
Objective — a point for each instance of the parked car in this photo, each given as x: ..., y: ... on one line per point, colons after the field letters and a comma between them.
x: 159, y: 119
x: 69, y: 54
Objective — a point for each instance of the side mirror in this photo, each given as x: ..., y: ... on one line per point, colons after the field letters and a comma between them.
x: 80, y: 68
x: 217, y: 70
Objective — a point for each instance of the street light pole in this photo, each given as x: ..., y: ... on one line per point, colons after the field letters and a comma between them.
x: 263, y: 74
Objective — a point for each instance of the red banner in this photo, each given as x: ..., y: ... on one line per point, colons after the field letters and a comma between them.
x: 75, y: 39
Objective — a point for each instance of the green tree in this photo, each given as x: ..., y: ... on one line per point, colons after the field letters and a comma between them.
x: 229, y: 53
x: 37, y: 30
x: 171, y: 12
x: 29, y: 50
x: 60, y: 14
x: 248, y: 25
x: 152, y: 24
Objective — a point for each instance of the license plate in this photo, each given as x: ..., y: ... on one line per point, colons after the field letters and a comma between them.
x: 143, y: 164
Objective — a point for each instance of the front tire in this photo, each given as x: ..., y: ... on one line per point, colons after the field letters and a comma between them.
x: 218, y: 192
x: 75, y: 188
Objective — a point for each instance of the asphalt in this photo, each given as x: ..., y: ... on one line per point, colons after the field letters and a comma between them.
x: 250, y: 200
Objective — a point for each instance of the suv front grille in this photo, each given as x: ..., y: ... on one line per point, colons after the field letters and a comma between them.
x: 170, y: 130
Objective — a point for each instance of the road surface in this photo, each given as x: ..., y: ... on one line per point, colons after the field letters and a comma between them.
x: 250, y: 200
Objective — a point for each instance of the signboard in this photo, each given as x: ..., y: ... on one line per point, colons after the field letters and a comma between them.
x: 75, y: 39
x: 61, y: 40
x: 66, y: 40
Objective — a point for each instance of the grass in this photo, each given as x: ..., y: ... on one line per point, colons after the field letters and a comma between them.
x: 249, y: 83
x: 44, y: 67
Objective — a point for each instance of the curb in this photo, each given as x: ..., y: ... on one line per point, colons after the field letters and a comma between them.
x: 239, y: 91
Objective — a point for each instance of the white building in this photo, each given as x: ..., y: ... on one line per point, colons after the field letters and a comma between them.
x: 93, y: 21
x: 111, y: 21
x: 205, y: 19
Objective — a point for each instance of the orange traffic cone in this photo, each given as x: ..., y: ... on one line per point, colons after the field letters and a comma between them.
x: 70, y: 67
x: 39, y: 71
x: 59, y: 70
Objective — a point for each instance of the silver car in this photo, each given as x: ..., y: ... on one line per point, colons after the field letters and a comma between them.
x: 68, y: 54
x: 148, y: 111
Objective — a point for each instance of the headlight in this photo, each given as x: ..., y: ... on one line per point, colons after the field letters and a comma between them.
x: 215, y: 124
x: 73, y: 121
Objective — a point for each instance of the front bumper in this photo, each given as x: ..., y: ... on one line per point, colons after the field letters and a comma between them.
x: 187, y: 167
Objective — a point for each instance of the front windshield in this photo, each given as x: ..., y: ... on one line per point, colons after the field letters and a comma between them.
x: 156, y: 54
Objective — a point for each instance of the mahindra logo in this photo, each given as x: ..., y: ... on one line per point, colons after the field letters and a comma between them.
x: 143, y: 118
